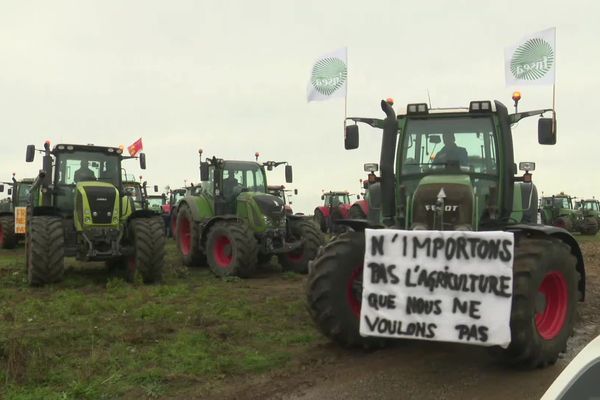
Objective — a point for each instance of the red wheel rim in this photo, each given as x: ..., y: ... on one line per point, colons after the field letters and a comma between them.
x: 354, y: 290
x: 550, y: 322
x: 184, y: 235
x: 222, y: 251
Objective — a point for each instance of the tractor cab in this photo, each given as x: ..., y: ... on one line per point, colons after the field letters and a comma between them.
x: 335, y: 199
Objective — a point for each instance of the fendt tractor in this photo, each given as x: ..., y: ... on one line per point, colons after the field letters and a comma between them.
x: 83, y: 211
x: 234, y: 224
x: 484, y: 194
x: 18, y: 193
x: 560, y: 211
x: 591, y: 209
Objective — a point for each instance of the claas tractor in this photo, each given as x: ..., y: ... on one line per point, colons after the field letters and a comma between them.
x: 18, y: 194
x: 233, y: 224
x: 84, y: 211
x: 559, y: 210
x: 336, y: 207
x: 472, y: 186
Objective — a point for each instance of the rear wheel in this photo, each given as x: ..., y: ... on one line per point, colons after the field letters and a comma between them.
x: 148, y: 239
x: 544, y: 298
x: 334, y: 291
x: 231, y: 249
x: 562, y: 222
x: 297, y: 260
x: 590, y: 226
x: 8, y: 237
x: 45, y: 247
x: 188, y: 238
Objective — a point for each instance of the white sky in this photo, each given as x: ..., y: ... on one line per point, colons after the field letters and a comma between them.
x: 230, y: 77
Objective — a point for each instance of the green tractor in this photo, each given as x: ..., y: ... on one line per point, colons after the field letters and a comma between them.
x: 468, y: 185
x: 591, y: 209
x: 83, y: 211
x: 18, y: 193
x: 233, y: 224
x: 560, y: 211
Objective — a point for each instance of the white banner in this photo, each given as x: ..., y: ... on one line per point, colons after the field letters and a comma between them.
x: 328, y: 76
x: 532, y: 61
x: 450, y: 286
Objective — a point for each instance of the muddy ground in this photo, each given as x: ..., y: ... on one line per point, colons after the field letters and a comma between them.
x: 422, y: 370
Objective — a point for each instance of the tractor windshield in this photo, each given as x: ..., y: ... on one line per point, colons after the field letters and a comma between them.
x: 245, y: 176
x: 134, y: 189
x: 80, y: 166
x: 23, y: 194
x: 590, y: 205
x: 337, y: 199
x: 155, y: 203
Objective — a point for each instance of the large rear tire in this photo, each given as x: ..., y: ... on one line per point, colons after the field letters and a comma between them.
x: 231, y: 249
x: 148, y: 240
x: 46, y: 251
x: 589, y: 226
x: 543, y: 304
x: 188, y: 238
x: 8, y: 237
x: 297, y: 260
x: 334, y: 291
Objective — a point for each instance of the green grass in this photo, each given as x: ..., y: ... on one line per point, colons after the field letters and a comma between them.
x: 95, y: 336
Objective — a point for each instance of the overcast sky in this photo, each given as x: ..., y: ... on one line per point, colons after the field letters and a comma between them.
x: 230, y: 77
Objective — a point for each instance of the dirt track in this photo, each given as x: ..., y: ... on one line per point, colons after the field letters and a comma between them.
x: 422, y: 370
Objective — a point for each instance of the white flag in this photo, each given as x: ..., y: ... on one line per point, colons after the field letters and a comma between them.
x: 328, y: 76
x: 532, y: 61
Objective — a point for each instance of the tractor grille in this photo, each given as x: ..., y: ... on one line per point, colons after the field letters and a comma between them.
x: 102, y: 203
x: 270, y: 206
x: 458, y: 206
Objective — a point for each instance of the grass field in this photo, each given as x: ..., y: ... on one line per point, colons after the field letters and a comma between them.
x: 95, y: 336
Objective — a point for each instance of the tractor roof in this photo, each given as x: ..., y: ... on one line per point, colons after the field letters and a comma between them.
x: 275, y: 187
x: 62, y: 148
x: 332, y: 193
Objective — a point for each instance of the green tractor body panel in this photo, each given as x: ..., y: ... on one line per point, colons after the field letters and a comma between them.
x: 102, y: 211
x: 248, y: 209
x: 517, y: 212
x: 591, y: 209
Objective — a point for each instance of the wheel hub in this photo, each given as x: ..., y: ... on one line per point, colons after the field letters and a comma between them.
x: 550, y: 321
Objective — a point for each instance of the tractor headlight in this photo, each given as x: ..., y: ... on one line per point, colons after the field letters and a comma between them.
x: 115, y: 220
x: 88, y: 220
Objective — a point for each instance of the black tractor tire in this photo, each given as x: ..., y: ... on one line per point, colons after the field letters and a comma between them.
x: 231, y: 249
x: 8, y: 237
x: 320, y: 220
x: 562, y: 222
x: 334, y: 291
x: 356, y: 212
x: 263, y: 259
x: 46, y: 250
x: 188, y: 238
x: 147, y: 236
x: 298, y: 259
x: 543, y: 303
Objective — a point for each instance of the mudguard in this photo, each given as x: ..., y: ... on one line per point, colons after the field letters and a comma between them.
x: 364, y: 206
x: 562, y: 235
x: 324, y: 211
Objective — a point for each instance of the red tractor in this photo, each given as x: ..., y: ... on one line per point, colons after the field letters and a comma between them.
x: 336, y: 206
x: 360, y: 208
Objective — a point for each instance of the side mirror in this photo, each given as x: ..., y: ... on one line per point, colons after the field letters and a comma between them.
x: 547, y: 131
x: 9, y: 191
x: 2, y: 188
x: 204, y: 171
x: 288, y: 174
x: 323, y: 197
x: 371, y: 167
x: 351, y: 137
x: 143, y: 160
x: 30, y: 155
x: 435, y: 139
x: 155, y: 188
x: 295, y: 191
x: 358, y: 197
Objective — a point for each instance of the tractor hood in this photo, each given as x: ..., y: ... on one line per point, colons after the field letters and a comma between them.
x: 269, y: 205
x: 443, y: 202
x: 96, y: 203
x: 262, y: 211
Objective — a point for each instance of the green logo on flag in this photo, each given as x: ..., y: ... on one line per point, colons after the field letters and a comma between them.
x: 532, y: 60
x: 328, y: 75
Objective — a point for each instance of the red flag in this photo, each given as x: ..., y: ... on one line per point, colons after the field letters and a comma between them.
x: 135, y: 148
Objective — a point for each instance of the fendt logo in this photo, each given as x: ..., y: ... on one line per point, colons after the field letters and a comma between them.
x: 328, y: 75
x: 532, y: 60
x: 433, y: 207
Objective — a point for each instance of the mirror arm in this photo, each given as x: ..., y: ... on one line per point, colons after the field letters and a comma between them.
x: 514, y: 118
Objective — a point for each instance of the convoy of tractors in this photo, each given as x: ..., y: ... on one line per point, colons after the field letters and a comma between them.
x: 82, y: 205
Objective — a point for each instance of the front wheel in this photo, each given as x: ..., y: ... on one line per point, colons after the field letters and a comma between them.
x: 188, y: 238
x: 148, y: 239
x: 297, y: 260
x: 8, y: 237
x: 45, y: 250
x: 320, y: 220
x: 543, y: 303
x: 334, y: 291
x: 356, y: 213
x: 231, y: 249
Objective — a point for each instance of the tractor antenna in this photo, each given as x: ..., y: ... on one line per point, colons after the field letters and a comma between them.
x: 429, y: 98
